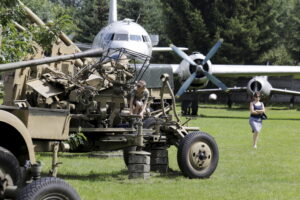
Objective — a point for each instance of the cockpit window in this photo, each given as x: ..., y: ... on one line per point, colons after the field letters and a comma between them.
x: 137, y: 38
x: 123, y: 37
x: 146, y: 38
x: 109, y: 36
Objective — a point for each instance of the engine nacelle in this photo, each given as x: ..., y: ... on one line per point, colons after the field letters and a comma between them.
x: 186, y: 69
x: 259, y: 84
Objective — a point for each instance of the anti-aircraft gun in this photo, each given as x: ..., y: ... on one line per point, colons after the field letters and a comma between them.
x: 26, y: 130
x: 93, y: 102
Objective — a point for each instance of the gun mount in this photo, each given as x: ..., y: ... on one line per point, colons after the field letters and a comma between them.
x: 96, y: 96
x: 28, y: 63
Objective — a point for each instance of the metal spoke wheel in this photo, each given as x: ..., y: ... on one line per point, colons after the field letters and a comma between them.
x: 48, y: 188
x: 198, y: 155
x: 10, y: 173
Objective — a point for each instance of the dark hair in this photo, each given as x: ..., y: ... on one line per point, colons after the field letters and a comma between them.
x: 141, y: 83
x: 256, y: 94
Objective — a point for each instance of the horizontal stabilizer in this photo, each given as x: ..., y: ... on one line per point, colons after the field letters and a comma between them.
x: 216, y: 90
x: 285, y: 91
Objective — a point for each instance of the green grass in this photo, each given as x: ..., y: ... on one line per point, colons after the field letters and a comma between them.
x: 270, y: 172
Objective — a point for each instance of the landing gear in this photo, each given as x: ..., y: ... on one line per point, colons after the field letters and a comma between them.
x: 198, y: 155
x: 189, y: 104
x: 292, y: 102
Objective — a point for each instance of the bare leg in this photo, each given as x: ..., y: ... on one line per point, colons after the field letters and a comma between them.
x: 255, y: 139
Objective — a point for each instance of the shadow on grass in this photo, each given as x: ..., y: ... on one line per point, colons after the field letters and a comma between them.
x: 77, y: 155
x: 115, y: 176
x: 236, y: 117
x: 92, y: 177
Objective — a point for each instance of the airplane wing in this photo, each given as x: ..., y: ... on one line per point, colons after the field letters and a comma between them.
x: 174, y: 67
x: 285, y: 91
x: 84, y: 46
x: 253, y: 70
x: 163, y: 49
x: 217, y: 90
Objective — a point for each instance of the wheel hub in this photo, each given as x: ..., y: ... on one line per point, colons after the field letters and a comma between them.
x: 5, y: 181
x: 200, y: 155
x: 54, y: 196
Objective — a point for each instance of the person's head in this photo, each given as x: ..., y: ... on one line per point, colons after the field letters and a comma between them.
x: 141, y: 85
x: 256, y: 96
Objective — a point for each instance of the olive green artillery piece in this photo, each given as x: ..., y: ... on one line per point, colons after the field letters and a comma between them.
x: 93, y: 101
x: 18, y: 65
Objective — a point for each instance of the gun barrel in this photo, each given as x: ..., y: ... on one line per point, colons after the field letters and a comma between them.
x: 17, y: 65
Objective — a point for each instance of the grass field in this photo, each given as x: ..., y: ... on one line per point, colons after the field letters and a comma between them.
x: 270, y: 172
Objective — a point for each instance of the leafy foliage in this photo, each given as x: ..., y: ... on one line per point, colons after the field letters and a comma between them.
x: 92, y: 16
x: 254, y: 32
x: 15, y: 43
x: 76, y: 140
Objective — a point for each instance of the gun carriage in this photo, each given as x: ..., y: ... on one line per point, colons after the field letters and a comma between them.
x: 49, y: 99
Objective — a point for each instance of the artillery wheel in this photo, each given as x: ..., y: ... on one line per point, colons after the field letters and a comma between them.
x: 198, y: 155
x: 10, y: 172
x: 48, y: 188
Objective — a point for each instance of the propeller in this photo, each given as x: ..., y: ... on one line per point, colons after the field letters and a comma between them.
x: 210, y: 77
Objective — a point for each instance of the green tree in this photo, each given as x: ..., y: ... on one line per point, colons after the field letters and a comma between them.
x: 249, y: 28
x: 92, y: 16
x: 292, y: 31
x: 16, y: 43
x: 185, y: 24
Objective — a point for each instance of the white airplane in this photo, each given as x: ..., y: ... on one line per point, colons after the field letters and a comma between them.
x: 125, y: 34
x: 196, y: 70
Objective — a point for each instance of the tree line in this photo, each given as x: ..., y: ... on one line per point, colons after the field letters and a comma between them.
x: 254, y: 31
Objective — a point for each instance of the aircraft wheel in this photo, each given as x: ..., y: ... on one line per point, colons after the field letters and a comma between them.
x: 10, y: 172
x: 198, y: 155
x: 48, y: 188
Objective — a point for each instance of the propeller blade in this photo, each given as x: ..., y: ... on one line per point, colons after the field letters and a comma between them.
x: 216, y: 81
x: 186, y: 84
x: 183, y: 55
x: 210, y: 77
x: 212, y: 51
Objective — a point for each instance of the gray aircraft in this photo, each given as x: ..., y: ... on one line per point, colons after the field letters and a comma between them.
x: 195, y: 70
x: 256, y: 84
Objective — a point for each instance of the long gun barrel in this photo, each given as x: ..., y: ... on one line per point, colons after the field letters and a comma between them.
x: 17, y: 65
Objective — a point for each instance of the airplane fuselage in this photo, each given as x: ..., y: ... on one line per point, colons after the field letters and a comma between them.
x: 124, y: 34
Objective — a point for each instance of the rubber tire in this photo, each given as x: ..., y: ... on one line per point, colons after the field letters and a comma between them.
x: 149, y: 123
x: 48, y: 188
x: 10, y: 165
x: 183, y: 155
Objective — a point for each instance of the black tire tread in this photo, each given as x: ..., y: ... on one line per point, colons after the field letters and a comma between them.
x: 148, y: 123
x: 38, y: 187
x: 185, y: 143
x: 11, y: 165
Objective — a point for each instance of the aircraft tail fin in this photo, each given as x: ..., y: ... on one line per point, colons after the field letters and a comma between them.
x: 113, y: 14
